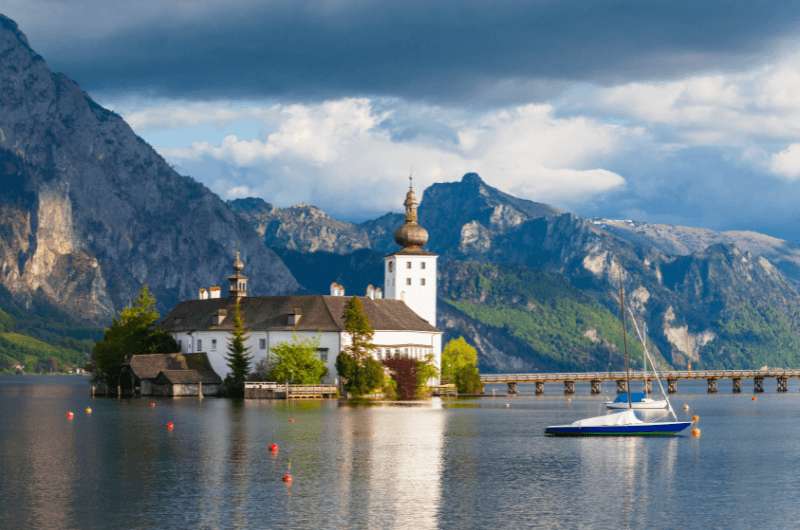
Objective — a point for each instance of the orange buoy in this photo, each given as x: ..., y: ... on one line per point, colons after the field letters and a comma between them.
x: 695, y: 418
x: 88, y: 410
x: 273, y: 447
x: 291, y: 420
x: 696, y: 432
x: 170, y: 426
x: 152, y: 404
x: 754, y: 398
x: 70, y: 415
x: 287, y: 478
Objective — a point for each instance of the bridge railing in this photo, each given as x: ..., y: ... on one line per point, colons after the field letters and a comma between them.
x: 554, y: 377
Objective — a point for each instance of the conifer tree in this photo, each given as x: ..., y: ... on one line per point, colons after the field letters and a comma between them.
x: 238, y: 357
x: 360, y: 373
x: 357, y: 325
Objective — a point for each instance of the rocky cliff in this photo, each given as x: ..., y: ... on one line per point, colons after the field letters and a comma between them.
x: 89, y: 211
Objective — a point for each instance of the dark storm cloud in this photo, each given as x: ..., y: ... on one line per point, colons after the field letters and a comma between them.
x: 432, y: 50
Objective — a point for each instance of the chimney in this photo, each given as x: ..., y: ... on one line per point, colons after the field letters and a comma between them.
x: 203, y: 294
x: 220, y: 316
x: 378, y: 293
x: 295, y: 316
x: 215, y: 291
x: 337, y: 289
x: 370, y: 292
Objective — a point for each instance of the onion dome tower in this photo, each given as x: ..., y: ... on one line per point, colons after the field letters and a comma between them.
x: 411, y: 236
x: 410, y: 273
x: 237, y: 286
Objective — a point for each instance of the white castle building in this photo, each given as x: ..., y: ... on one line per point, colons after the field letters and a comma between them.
x: 404, y: 320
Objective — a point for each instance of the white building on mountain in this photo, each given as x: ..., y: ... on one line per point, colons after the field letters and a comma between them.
x: 404, y: 320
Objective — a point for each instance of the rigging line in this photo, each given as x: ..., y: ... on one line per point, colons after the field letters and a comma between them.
x: 653, y: 364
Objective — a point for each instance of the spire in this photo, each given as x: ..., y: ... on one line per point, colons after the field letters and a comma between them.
x: 411, y: 236
x: 411, y: 202
x: 238, y: 265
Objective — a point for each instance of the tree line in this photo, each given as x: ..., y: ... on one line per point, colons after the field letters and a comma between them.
x: 135, y: 330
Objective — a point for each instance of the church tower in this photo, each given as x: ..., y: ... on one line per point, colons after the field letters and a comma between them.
x: 237, y: 287
x: 410, y: 273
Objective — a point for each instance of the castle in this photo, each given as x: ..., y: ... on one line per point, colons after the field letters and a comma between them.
x: 404, y: 319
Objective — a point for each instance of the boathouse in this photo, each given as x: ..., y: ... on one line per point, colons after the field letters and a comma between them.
x: 170, y: 374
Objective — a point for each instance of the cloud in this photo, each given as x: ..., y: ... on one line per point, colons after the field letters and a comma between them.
x: 173, y: 114
x: 488, y: 54
x: 345, y: 155
x: 758, y: 105
x: 786, y: 163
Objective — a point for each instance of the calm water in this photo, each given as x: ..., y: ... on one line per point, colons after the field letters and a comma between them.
x: 463, y: 464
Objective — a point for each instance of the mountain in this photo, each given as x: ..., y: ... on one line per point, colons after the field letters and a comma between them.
x: 306, y: 228
x: 683, y: 240
x: 89, y: 211
x: 536, y: 288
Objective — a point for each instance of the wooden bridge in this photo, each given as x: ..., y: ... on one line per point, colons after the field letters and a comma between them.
x: 596, y: 379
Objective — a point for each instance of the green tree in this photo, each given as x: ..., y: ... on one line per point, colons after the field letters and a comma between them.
x: 238, y: 357
x: 460, y: 366
x: 133, y: 331
x: 359, y: 372
x: 357, y: 325
x: 297, y: 362
x: 425, y: 370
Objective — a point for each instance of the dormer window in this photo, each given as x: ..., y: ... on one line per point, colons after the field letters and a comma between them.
x: 391, y: 266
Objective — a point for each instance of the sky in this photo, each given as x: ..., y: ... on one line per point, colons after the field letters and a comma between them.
x: 660, y: 111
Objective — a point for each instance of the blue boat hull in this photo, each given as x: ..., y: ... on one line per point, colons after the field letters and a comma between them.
x: 642, y: 429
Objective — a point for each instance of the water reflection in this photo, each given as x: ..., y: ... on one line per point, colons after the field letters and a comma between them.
x: 470, y: 464
x: 391, y: 466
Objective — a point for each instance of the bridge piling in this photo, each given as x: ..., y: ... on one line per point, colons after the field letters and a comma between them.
x: 737, y: 385
x: 648, y: 386
x: 712, y: 385
x: 512, y: 389
x: 539, y: 388
x: 569, y: 387
x: 783, y: 383
x: 672, y: 385
x: 758, y: 384
x: 622, y: 386
x: 597, y: 386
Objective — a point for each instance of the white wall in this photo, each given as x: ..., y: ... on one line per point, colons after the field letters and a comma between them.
x: 202, y: 341
x: 403, y: 277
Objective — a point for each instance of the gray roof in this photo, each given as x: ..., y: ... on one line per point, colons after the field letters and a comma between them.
x: 149, y: 365
x: 187, y: 377
x: 271, y: 313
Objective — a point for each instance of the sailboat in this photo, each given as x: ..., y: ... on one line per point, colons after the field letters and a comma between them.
x: 639, y: 400
x: 624, y: 422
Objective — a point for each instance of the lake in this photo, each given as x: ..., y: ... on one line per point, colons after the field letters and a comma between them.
x: 443, y: 464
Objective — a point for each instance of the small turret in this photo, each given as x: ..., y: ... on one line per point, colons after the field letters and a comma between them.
x: 237, y: 281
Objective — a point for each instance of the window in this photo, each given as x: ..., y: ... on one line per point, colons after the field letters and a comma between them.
x: 323, y: 354
x: 213, y: 344
x: 408, y: 264
x: 408, y: 281
x: 262, y: 344
x: 199, y: 344
x: 391, y: 266
x: 422, y: 281
x: 180, y: 345
x: 422, y: 265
